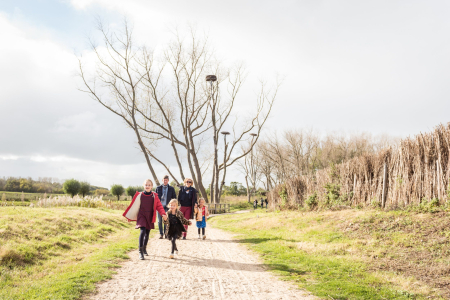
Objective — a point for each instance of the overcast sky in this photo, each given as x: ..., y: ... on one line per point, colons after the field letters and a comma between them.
x: 375, y: 66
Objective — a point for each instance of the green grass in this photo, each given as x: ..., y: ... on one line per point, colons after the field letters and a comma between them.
x: 314, y: 251
x: 60, y: 253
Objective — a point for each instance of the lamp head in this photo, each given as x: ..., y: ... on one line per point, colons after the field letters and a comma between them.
x: 211, y: 78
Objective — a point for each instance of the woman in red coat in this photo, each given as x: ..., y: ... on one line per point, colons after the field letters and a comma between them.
x: 143, y: 209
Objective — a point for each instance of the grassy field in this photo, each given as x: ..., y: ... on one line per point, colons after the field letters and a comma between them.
x: 237, y: 203
x: 59, y: 253
x: 352, y: 254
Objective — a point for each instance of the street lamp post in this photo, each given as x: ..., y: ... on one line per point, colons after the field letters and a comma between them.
x: 211, y: 79
x: 225, y: 133
x: 252, y: 168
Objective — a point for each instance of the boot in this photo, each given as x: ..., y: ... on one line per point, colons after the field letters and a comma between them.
x: 145, y: 250
x: 141, y: 253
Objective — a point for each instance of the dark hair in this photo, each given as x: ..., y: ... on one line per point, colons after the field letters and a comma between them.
x: 166, y: 177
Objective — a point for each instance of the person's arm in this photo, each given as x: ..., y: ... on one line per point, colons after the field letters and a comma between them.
x: 206, y: 211
x: 194, y: 197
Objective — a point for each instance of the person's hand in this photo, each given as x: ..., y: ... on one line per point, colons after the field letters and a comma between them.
x: 195, y: 205
x: 190, y: 223
x: 165, y: 217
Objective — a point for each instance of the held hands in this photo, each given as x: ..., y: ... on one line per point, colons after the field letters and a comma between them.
x: 190, y: 223
x: 165, y: 217
x: 195, y: 205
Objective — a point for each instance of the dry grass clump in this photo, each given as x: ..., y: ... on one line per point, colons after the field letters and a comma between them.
x: 88, y: 201
x: 418, y: 171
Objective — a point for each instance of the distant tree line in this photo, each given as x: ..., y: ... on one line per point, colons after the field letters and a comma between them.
x: 29, y: 185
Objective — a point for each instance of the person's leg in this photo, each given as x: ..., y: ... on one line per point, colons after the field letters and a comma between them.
x: 160, y: 225
x: 141, y: 242
x: 203, y: 231
x: 147, y: 234
x: 174, y: 245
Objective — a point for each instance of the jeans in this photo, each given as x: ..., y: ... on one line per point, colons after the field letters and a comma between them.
x: 160, y: 222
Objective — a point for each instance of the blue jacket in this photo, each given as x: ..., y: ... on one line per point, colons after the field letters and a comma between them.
x: 170, y: 194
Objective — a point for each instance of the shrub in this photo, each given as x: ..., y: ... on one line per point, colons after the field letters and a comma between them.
x: 71, y: 187
x: 85, y: 187
x: 311, y: 201
x: 102, y: 192
x: 117, y: 190
x: 131, y: 190
x: 375, y: 203
x: 283, y: 195
x: 333, y: 193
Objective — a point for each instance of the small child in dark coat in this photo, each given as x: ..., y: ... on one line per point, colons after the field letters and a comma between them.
x: 255, y: 204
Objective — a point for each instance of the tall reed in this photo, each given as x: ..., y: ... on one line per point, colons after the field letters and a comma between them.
x: 418, y: 170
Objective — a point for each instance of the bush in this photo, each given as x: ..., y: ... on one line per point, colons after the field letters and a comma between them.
x: 102, y: 192
x: 85, y: 187
x: 131, y: 190
x: 312, y: 202
x: 333, y: 193
x: 283, y: 195
x: 117, y: 190
x: 71, y: 187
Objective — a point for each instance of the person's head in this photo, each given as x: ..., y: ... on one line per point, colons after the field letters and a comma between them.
x: 166, y: 180
x: 201, y: 201
x: 148, y: 185
x: 188, y: 182
x: 173, y: 204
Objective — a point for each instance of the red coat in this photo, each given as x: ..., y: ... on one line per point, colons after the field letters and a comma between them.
x: 132, y: 211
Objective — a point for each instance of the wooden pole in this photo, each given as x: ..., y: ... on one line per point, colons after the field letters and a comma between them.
x: 383, y: 196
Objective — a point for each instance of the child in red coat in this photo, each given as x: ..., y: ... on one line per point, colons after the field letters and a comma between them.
x: 143, y: 209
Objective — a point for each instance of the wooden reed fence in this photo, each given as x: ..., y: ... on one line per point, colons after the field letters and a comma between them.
x: 419, y: 169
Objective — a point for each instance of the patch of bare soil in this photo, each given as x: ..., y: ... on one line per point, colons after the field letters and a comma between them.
x: 215, y: 268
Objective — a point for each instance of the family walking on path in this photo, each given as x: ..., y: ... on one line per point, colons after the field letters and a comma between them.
x: 146, y: 205
x: 215, y: 268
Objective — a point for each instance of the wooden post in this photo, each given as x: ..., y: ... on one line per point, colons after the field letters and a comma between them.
x: 383, y: 196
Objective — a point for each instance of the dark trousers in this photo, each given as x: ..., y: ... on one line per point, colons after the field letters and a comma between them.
x: 174, y: 245
x: 160, y: 222
x: 143, y: 237
x: 203, y: 231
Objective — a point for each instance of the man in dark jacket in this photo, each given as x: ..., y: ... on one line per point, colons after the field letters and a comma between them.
x: 165, y: 193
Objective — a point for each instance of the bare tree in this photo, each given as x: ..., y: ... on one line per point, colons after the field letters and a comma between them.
x: 116, y: 73
x: 166, y: 101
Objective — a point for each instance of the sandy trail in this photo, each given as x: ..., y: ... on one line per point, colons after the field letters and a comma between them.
x: 215, y: 268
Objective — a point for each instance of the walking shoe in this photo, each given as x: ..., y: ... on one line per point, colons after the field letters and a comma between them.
x: 171, y: 255
x: 199, y: 237
x: 184, y: 237
x: 176, y: 253
x: 204, y: 237
x: 161, y: 237
x: 141, y: 253
x: 145, y: 250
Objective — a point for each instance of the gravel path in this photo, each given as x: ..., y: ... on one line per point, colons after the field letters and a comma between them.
x: 215, y: 268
